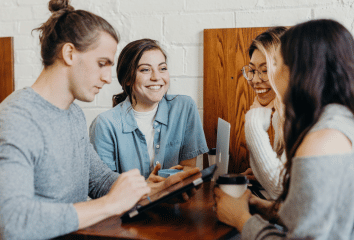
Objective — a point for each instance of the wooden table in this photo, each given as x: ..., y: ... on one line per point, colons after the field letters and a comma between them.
x: 194, y: 219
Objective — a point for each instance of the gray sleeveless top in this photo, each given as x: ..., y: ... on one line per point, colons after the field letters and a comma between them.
x: 320, y: 202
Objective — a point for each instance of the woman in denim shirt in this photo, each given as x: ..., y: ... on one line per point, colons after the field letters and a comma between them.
x: 146, y: 128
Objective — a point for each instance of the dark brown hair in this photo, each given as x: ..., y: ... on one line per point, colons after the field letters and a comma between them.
x: 320, y: 57
x: 127, y: 65
x: 67, y: 25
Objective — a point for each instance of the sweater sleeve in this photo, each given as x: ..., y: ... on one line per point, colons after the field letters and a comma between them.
x: 22, y: 215
x: 264, y: 162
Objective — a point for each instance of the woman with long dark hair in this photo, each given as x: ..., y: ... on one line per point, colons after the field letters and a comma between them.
x: 146, y: 128
x: 315, y: 77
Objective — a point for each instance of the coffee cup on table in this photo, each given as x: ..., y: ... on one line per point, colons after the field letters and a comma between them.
x: 233, y: 184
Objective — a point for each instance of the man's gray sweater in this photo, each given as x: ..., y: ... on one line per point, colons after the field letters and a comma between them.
x: 46, y: 164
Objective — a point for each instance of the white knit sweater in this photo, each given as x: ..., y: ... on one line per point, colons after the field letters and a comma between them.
x: 263, y: 159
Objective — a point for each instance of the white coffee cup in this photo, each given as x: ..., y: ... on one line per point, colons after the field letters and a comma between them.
x: 233, y: 184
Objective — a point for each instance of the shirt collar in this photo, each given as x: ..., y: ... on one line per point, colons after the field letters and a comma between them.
x: 162, y: 112
x: 129, y: 122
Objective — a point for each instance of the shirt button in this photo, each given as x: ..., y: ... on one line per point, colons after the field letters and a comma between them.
x: 157, y: 162
x: 158, y: 130
x: 155, y: 123
x: 157, y: 146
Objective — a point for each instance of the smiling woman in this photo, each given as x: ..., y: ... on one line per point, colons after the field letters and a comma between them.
x: 266, y: 161
x: 146, y: 128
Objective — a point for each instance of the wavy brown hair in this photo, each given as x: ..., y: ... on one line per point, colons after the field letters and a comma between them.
x: 320, y: 57
x: 67, y: 25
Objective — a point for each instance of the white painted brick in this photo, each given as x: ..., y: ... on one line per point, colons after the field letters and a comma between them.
x: 23, y: 83
x: 194, y: 61
x: 297, y: 3
x: 212, y: 5
x: 24, y: 42
x: 104, y: 98
x: 192, y: 87
x: 91, y: 114
x: 266, y: 18
x: 23, y: 71
x: 7, y: 29
x: 143, y: 6
x: 201, y: 115
x: 41, y: 12
x: 189, y: 28
x: 146, y: 27
x: 26, y: 27
x: 7, y: 3
x: 122, y: 24
x: 37, y: 69
x: 32, y: 2
x: 15, y: 13
x: 27, y: 57
x: 175, y: 60
x: 343, y: 15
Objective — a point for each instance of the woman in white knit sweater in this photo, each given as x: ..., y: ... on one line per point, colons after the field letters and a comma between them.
x: 266, y: 161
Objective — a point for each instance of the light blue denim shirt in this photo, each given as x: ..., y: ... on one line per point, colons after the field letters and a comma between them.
x: 122, y: 146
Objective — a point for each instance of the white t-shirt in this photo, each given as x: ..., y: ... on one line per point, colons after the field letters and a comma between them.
x: 145, y: 122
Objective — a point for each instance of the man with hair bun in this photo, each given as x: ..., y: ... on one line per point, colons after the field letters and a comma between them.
x: 48, y: 166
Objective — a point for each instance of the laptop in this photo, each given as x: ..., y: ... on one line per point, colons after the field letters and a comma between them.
x: 222, y: 148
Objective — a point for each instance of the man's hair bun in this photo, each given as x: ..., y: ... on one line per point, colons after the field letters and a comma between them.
x: 57, y: 5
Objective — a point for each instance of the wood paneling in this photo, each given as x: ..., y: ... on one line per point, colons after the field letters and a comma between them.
x: 226, y: 92
x: 7, y: 83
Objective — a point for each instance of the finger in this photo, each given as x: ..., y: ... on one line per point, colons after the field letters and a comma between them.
x: 180, y: 176
x: 188, y: 173
x: 218, y: 192
x: 251, y: 177
x: 156, y: 179
x: 185, y: 197
x: 178, y: 167
x: 247, y: 195
x: 156, y: 169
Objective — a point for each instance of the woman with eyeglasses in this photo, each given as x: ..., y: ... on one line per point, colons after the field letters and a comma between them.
x: 266, y: 161
x: 314, y: 76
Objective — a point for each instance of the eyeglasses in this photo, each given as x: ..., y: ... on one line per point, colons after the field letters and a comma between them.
x: 249, y: 72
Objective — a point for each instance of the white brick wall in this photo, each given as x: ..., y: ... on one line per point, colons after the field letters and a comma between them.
x: 177, y: 24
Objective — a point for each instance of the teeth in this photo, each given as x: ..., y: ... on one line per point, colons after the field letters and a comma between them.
x: 154, y: 87
x: 261, y: 91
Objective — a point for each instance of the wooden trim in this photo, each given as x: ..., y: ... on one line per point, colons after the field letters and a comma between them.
x: 226, y: 93
x: 7, y: 83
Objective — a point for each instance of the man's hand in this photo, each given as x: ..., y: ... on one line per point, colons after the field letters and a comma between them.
x: 128, y: 189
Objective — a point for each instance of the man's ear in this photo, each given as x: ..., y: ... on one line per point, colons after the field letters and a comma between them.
x: 68, y: 53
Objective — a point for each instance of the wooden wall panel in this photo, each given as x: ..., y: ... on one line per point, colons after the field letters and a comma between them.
x: 226, y: 92
x: 7, y: 83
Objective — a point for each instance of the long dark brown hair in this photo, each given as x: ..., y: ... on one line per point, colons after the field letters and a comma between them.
x: 127, y: 66
x: 67, y: 25
x: 320, y: 57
